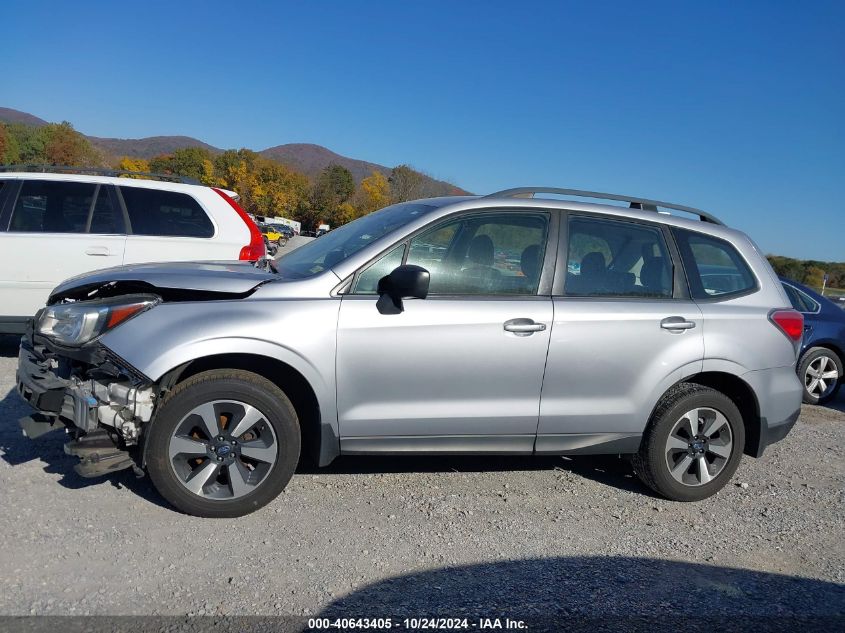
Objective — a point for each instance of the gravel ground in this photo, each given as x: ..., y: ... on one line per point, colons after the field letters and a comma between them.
x: 430, y: 536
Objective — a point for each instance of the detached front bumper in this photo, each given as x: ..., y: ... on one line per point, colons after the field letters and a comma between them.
x: 38, y: 384
x: 102, y: 405
x: 49, y: 385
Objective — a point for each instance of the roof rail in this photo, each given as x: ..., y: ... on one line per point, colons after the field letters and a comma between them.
x: 98, y: 171
x: 634, y: 203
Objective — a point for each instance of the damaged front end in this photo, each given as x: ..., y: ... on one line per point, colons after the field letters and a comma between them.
x: 75, y: 382
x: 100, y: 400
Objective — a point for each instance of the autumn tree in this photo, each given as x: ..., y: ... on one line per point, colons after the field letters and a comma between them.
x: 4, y: 142
x: 372, y: 194
x: 405, y: 184
x: 334, y: 186
x: 29, y: 141
x: 265, y: 186
x: 8, y: 147
x: 191, y: 162
x: 814, y: 276
x: 133, y: 164
x: 130, y: 164
x: 65, y: 146
x: 278, y: 190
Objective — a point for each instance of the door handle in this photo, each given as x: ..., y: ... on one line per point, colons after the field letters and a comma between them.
x: 97, y: 251
x: 676, y: 323
x: 523, y: 327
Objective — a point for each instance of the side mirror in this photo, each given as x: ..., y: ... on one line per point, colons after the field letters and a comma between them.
x: 405, y: 282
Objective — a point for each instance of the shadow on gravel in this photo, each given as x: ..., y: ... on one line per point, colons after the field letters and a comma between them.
x: 609, y: 470
x: 605, y: 593
x: 17, y: 449
x: 838, y: 403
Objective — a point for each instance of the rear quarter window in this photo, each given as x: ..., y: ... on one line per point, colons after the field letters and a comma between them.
x: 165, y: 213
x: 714, y: 268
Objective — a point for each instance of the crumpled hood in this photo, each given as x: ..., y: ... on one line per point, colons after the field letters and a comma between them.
x: 212, y: 278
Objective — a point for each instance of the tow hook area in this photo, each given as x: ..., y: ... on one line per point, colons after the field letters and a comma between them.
x: 100, y: 456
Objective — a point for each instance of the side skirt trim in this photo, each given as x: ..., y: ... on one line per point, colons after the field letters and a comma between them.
x: 588, y: 444
x: 439, y: 445
x: 563, y: 444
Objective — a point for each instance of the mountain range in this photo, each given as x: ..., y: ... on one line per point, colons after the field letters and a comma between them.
x: 307, y: 158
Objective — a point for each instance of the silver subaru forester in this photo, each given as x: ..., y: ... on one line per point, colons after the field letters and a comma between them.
x: 517, y: 323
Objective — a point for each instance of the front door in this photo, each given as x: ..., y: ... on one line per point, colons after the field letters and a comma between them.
x: 459, y: 371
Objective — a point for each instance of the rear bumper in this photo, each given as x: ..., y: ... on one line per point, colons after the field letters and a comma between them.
x: 776, y: 432
x: 778, y: 392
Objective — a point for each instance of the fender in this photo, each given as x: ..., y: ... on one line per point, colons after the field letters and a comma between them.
x: 173, y: 334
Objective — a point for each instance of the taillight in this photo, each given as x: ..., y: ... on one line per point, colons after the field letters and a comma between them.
x: 255, y: 249
x: 791, y: 323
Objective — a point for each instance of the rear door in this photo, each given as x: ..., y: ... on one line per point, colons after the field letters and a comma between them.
x: 624, y: 331
x: 56, y: 230
x: 168, y: 226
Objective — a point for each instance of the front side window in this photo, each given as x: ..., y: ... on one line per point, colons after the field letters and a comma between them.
x: 483, y: 254
x: 165, y: 213
x: 714, y: 267
x: 338, y: 245
x: 610, y: 258
x: 52, y: 207
x: 367, y: 280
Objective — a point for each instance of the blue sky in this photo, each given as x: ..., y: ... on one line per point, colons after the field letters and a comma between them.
x: 734, y: 107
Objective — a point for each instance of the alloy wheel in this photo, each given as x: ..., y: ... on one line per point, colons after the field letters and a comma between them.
x: 223, y: 449
x: 821, y: 377
x: 699, y: 446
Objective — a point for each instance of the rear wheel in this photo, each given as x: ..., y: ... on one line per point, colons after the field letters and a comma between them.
x: 821, y: 372
x: 223, y: 444
x: 692, y: 445
x: 282, y: 240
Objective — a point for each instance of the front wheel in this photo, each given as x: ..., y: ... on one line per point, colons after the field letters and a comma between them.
x: 224, y: 444
x: 821, y: 371
x: 282, y: 241
x: 692, y: 444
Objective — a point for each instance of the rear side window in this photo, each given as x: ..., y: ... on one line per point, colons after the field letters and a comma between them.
x: 52, y: 207
x: 714, y: 267
x: 165, y: 213
x: 612, y: 258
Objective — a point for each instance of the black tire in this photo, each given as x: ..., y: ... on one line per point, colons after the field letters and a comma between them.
x: 650, y: 463
x: 214, y: 385
x: 282, y: 241
x: 810, y: 356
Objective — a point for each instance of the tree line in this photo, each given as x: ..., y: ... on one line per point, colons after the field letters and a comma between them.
x: 809, y: 272
x: 266, y: 187
x: 270, y: 188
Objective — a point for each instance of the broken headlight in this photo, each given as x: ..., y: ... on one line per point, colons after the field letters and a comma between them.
x: 74, y: 324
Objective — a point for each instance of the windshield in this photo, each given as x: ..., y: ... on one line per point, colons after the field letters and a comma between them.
x: 335, y: 246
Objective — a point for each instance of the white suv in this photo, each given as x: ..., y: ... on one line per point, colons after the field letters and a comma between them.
x: 56, y: 225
